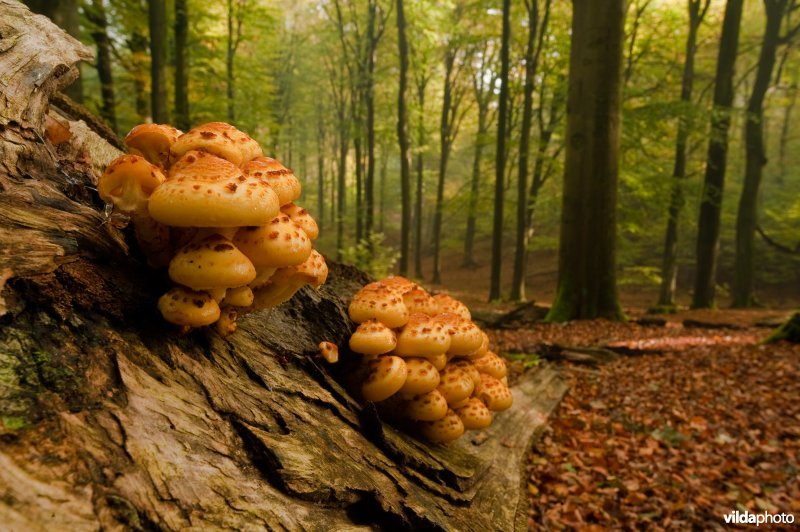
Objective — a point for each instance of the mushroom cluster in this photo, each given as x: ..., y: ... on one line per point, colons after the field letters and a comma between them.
x: 424, y: 360
x: 220, y: 216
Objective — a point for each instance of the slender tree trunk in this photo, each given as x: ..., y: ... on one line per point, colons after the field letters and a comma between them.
x: 369, y: 97
x: 755, y: 156
x: 474, y: 187
x: 714, y: 182
x: 96, y: 13
x: 230, y: 75
x: 158, y: 60
x: 320, y: 169
x: 587, y: 285
x: 521, y: 243
x: 382, y: 191
x: 669, y: 267
x: 341, y: 201
x: 137, y: 44
x: 182, y: 120
x: 445, y: 127
x: 500, y: 157
x: 359, y: 183
x: 420, y: 163
x: 402, y: 139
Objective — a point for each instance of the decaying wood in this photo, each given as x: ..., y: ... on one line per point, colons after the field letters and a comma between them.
x: 110, y: 419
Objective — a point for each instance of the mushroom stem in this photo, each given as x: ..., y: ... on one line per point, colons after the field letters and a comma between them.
x: 153, y: 238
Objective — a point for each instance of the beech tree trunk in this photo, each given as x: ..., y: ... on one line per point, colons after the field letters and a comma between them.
x: 158, y: 60
x: 182, y: 120
x: 96, y: 13
x: 111, y: 420
x: 402, y: 140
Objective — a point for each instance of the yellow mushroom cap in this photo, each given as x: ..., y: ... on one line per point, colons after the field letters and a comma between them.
x: 422, y: 336
x: 422, y: 377
x: 469, y: 368
x: 386, y: 375
x: 152, y: 141
x: 329, y: 351
x: 263, y: 275
x: 301, y: 217
x: 455, y: 385
x: 398, y: 284
x: 482, y: 349
x: 280, y: 178
x: 285, y: 282
x: 426, y: 407
x: 213, y: 262
x: 379, y: 304
x: 494, y: 393
x: 474, y: 414
x: 129, y: 182
x: 465, y: 336
x: 372, y: 338
x: 444, y: 430
x: 452, y: 305
x: 206, y: 191
x: 491, y: 364
x: 241, y: 296
x: 459, y: 404
x: 220, y: 139
x: 419, y: 301
x: 438, y: 361
x: 183, y: 306
x: 277, y: 244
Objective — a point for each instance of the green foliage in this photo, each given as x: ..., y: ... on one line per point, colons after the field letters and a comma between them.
x: 529, y: 360
x: 372, y: 256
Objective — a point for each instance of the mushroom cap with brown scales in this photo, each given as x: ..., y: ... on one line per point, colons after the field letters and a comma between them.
x: 438, y: 361
x: 213, y: 262
x: 220, y: 139
x: 494, y: 393
x: 469, y: 368
x: 481, y: 350
x: 152, y: 141
x: 455, y: 384
x: 398, y: 284
x: 286, y: 281
x: 422, y: 336
x: 189, y: 308
x: 226, y: 324
x: 372, y: 338
x: 263, y: 275
x: 276, y: 244
x: 280, y: 178
x: 301, y: 217
x: 241, y: 296
x: 329, y: 351
x: 206, y: 191
x: 491, y: 364
x: 458, y: 404
x: 452, y: 305
x: 129, y: 182
x: 425, y: 407
x: 444, y: 430
x: 419, y: 301
x: 385, y: 376
x: 422, y: 377
x: 380, y: 304
x: 465, y: 336
x: 474, y: 414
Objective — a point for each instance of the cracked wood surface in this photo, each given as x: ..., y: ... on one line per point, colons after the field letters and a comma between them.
x: 111, y: 420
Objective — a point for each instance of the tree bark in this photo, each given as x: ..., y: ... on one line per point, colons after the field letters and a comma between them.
x: 587, y: 285
x: 158, y: 60
x: 500, y: 158
x: 182, y: 120
x: 111, y: 420
x: 96, y: 13
x: 402, y: 140
x: 755, y: 157
x: 716, y: 160
x: 669, y: 266
x: 420, y: 188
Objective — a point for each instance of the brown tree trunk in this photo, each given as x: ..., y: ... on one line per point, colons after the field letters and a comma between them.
x: 158, y: 60
x: 716, y: 160
x: 182, y: 120
x: 755, y: 157
x: 420, y: 188
x: 669, y: 267
x: 402, y: 140
x: 111, y: 420
x: 96, y: 13
x: 587, y: 285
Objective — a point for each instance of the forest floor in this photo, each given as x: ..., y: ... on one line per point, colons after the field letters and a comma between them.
x: 701, y: 422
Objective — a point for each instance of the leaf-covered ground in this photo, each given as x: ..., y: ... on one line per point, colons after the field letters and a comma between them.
x: 670, y: 440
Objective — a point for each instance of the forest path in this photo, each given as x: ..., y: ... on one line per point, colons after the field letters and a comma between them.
x: 677, y: 439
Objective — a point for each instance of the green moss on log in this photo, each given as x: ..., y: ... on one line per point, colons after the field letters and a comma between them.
x: 789, y: 331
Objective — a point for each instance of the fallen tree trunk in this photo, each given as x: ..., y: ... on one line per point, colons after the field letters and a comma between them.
x: 110, y: 419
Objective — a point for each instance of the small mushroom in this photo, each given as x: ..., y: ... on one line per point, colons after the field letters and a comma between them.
x: 186, y: 307
x: 129, y: 182
x: 301, y: 217
x: 482, y: 349
x: 280, y: 178
x: 152, y: 141
x: 455, y: 385
x: 426, y: 407
x: 379, y: 304
x: 474, y: 414
x: 214, y: 262
x: 465, y: 336
x: 398, y: 284
x: 226, y: 324
x: 220, y: 139
x: 444, y: 430
x: 494, y: 393
x: 419, y: 301
x: 241, y: 296
x: 438, y: 361
x: 373, y: 338
x: 452, y: 305
x: 422, y: 337
x: 329, y: 351
x: 277, y: 244
x: 491, y: 364
x: 422, y: 377
x: 263, y: 275
x: 287, y: 281
x: 470, y: 369
x: 386, y: 376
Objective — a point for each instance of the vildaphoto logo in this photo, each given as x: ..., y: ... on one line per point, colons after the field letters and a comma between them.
x: 764, y: 518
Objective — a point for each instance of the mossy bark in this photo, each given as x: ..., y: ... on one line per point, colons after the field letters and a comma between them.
x: 789, y: 331
x: 112, y: 420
